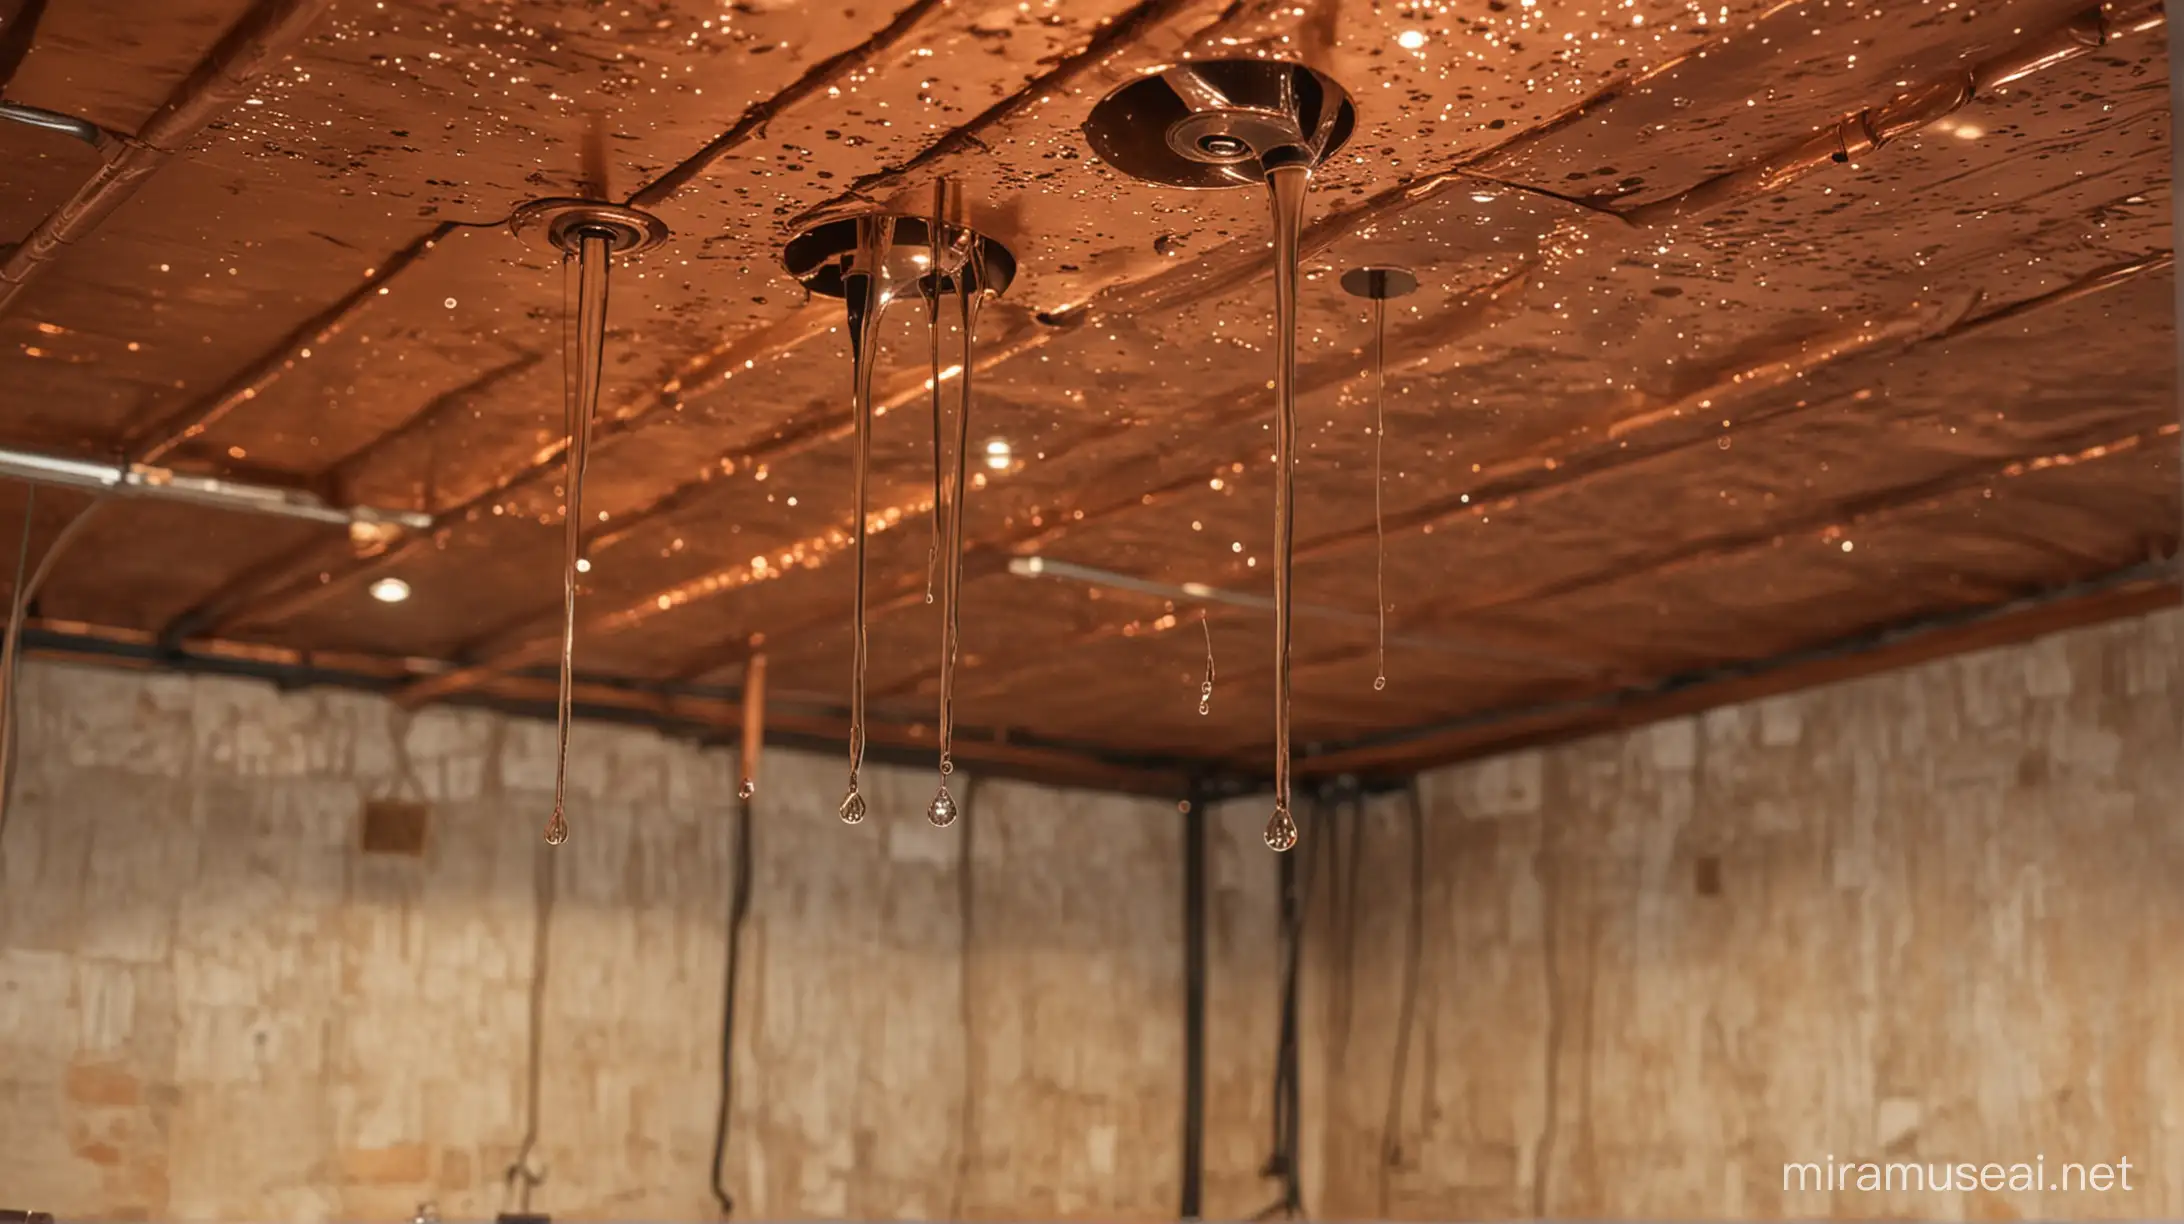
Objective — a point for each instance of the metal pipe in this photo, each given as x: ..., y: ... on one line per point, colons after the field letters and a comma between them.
x: 258, y: 41
x: 1198, y: 592
x: 158, y: 483
x: 54, y: 121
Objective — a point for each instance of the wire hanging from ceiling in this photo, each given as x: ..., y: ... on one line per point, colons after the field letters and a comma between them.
x: 26, y: 590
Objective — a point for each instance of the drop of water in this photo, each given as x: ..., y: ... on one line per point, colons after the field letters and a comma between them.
x: 853, y: 806
x: 557, y: 829
x: 1281, y: 832
x: 1205, y: 698
x: 942, y: 811
x: 1380, y: 683
x: 748, y: 789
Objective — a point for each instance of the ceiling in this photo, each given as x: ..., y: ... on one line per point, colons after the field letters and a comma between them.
x: 1698, y: 380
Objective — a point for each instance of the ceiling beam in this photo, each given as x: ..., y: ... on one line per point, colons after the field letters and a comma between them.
x: 153, y: 440
x: 263, y: 37
x: 708, y: 710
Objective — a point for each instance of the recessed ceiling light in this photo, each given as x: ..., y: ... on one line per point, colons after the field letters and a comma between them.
x: 390, y: 590
x: 997, y: 454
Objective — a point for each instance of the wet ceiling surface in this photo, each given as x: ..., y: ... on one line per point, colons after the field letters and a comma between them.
x: 1743, y: 329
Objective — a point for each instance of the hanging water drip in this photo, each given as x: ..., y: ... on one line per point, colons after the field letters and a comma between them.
x: 1378, y: 285
x: 1205, y: 687
x: 1234, y: 123
x: 588, y: 234
x: 929, y: 247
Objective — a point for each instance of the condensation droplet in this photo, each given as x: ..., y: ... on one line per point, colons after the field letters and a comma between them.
x: 1380, y: 684
x: 853, y: 806
x: 557, y: 829
x: 748, y: 789
x: 942, y: 811
x: 1281, y: 832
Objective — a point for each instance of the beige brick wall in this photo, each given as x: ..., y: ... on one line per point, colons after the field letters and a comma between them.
x: 1949, y: 927
x: 212, y: 1007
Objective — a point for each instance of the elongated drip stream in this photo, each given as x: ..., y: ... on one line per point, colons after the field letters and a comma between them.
x: 934, y: 246
x: 588, y: 234
x: 594, y: 250
x: 1380, y: 534
x: 970, y: 288
x: 1378, y: 285
x: 1205, y: 687
x: 1288, y: 175
x: 867, y: 289
x: 1229, y: 123
x: 933, y: 231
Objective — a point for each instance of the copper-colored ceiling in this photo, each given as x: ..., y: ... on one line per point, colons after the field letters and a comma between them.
x: 1697, y: 375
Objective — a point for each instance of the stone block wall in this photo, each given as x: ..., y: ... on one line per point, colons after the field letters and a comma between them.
x: 1928, y: 917
x: 214, y: 1006
x: 1925, y: 917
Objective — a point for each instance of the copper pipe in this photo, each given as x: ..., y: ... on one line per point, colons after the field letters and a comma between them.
x: 262, y: 38
x: 711, y: 710
x: 754, y: 721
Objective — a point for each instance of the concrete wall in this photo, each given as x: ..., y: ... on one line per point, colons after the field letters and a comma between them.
x: 1930, y: 916
x: 214, y: 1007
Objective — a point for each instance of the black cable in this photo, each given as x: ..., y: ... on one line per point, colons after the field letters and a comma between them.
x: 545, y: 884
x: 11, y: 650
x: 739, y: 908
x: 1298, y: 871
x: 1391, y: 1143
x: 1194, y: 1000
x: 966, y: 909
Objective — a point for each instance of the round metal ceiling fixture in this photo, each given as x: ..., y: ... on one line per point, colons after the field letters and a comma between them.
x: 562, y: 223
x: 819, y: 255
x: 1211, y: 123
x: 1379, y: 284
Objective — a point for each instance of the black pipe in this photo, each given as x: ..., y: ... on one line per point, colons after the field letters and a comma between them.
x: 1194, y: 1001
x: 186, y: 660
x: 1297, y: 871
x: 739, y: 908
